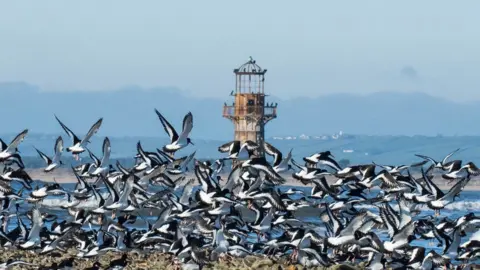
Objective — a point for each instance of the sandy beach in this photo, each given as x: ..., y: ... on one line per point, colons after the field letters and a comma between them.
x: 63, y: 175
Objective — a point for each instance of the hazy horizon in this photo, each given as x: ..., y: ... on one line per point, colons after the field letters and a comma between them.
x: 220, y: 97
x: 310, y: 48
x: 130, y: 112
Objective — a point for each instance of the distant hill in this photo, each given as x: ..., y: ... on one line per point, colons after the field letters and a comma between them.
x: 130, y: 112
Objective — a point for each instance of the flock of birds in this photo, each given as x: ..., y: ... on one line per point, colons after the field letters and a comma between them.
x: 158, y: 206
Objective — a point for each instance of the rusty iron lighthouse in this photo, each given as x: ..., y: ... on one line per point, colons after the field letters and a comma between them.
x: 249, y: 111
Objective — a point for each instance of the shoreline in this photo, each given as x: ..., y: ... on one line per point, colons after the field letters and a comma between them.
x: 65, y: 176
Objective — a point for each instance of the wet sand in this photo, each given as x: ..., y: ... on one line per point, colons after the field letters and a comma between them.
x: 62, y: 175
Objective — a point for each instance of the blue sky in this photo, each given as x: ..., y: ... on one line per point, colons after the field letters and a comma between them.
x: 309, y: 47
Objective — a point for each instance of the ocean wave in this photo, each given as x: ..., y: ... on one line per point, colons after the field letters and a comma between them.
x: 56, y: 203
x: 463, y: 206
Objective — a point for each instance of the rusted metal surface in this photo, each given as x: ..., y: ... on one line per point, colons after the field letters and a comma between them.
x: 234, y: 112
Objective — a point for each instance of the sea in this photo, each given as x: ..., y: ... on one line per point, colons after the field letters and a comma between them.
x: 352, y: 149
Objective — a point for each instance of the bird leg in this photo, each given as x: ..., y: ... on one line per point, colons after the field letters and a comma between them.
x: 294, y: 254
x: 176, y: 264
x: 114, y: 212
x: 222, y: 258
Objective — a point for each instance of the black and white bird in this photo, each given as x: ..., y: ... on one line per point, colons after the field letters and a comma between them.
x: 79, y: 146
x: 56, y: 161
x: 261, y: 164
x: 12, y: 149
x: 441, y: 200
x: 104, y: 167
x: 280, y: 164
x: 238, y: 150
x: 198, y: 219
x: 325, y: 158
x: 181, y: 167
x: 450, y: 166
x: 471, y: 168
x: 177, y: 141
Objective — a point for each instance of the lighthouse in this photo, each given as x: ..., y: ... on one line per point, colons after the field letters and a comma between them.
x: 249, y: 111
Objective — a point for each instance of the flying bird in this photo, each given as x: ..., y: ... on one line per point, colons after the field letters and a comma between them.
x: 177, y: 142
x: 54, y: 162
x: 79, y: 146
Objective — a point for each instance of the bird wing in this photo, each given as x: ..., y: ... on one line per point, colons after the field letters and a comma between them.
x: 187, y: 192
x: 111, y: 190
x: 58, y: 149
x: 289, y: 156
x: 81, y: 182
x: 11, y: 148
x: 449, y: 155
x: 47, y: 160
x: 297, y: 165
x: 189, y: 159
x: 233, y: 179
x: 276, y: 178
x: 187, y: 125
x: 387, y: 179
x: 3, y: 145
x: 169, y: 158
x: 353, y: 225
x: 20, y: 174
x: 435, y: 191
x: 70, y: 133
x: 251, y: 145
x: 224, y: 148
x: 91, y: 132
x: 142, y: 153
x: 439, y: 260
x: 272, y: 151
x: 37, y: 224
x: 127, y: 189
x: 427, y: 158
x: 168, y: 127
x: 386, y: 167
x: 331, y: 163
x: 402, y: 234
x: 274, y: 200
x: 450, y: 195
x: 268, y: 218
x: 388, y: 222
x: 106, y: 152
x: 95, y: 159
x: 418, y: 164
x: 333, y: 221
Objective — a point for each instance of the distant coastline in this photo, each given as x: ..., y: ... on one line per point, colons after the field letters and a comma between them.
x: 64, y: 175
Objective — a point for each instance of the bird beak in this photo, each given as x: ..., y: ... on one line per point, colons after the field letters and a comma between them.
x: 192, y: 143
x: 332, y: 156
